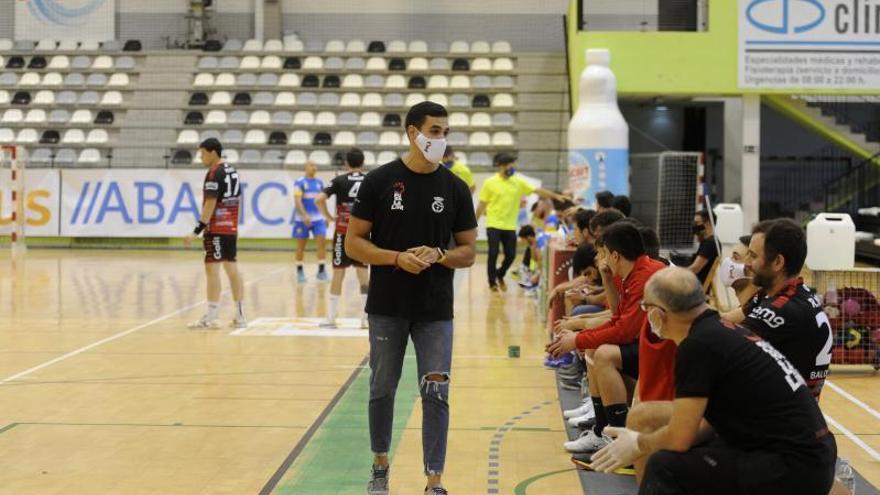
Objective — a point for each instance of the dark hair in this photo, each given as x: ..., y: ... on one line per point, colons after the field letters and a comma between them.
x: 583, y: 258
x: 212, y: 144
x: 526, y: 231
x: 623, y: 204
x: 562, y: 205
x: 582, y: 218
x: 604, y: 199
x: 650, y: 241
x: 605, y: 218
x: 624, y: 238
x: 503, y: 158
x: 704, y: 214
x: 745, y: 240
x: 355, y: 158
x: 418, y: 113
x: 786, y: 238
x: 448, y: 152
x: 762, y: 227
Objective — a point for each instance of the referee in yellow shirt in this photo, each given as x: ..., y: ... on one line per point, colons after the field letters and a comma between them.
x: 459, y: 168
x: 500, y: 199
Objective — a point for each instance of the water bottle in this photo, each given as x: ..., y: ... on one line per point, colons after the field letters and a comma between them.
x: 598, y: 136
x: 845, y: 475
x: 831, y: 294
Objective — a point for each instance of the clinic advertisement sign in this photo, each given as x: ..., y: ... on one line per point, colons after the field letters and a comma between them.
x: 79, y: 20
x: 167, y: 203
x: 809, y: 44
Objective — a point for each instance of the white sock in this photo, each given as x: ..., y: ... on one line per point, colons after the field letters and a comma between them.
x: 239, y: 310
x: 334, y: 307
x: 213, y: 307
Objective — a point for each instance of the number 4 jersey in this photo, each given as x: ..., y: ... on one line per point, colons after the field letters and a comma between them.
x: 221, y: 182
x: 793, y: 321
x: 345, y: 187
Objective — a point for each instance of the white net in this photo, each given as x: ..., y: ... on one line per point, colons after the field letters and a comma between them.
x: 665, y: 195
x: 12, y: 195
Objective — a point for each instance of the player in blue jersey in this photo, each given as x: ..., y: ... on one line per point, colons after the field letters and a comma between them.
x: 308, y: 219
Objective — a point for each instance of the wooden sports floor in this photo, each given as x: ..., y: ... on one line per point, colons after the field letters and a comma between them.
x: 103, y: 390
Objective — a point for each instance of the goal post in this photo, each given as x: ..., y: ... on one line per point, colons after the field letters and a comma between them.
x: 12, y: 166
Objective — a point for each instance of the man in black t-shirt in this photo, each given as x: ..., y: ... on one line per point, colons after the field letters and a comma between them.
x: 345, y: 187
x: 707, y: 253
x: 767, y: 434
x: 785, y: 312
x: 404, y: 216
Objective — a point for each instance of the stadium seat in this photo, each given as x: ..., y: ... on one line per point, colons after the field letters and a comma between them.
x: 313, y: 63
x: 225, y: 79
x: 111, y: 98
x: 5, y: 44
x: 480, y: 101
x: 394, y: 100
x: 7, y: 135
x: 263, y: 99
x: 367, y: 138
x: 4, y: 97
x: 457, y: 138
x: 339, y: 159
x: 399, y: 64
x: 370, y: 119
x: 377, y: 64
x: 355, y: 46
x: 272, y: 158
x: 271, y: 62
x: 374, y: 81
x: 274, y: 45
x: 282, y: 118
x: 460, y: 82
x: 372, y: 100
x: 458, y: 119
x: 389, y: 138
x: 502, y: 100
x: 480, y: 159
x: 501, y: 47
x: 203, y: 80
x: 12, y: 116
x: 229, y: 63
x: 355, y: 63
x: 124, y: 63
x: 250, y: 157
x: 35, y: 116
x: 242, y: 99
x: 304, y: 118
x: 260, y: 117
x: 65, y: 157
x: 353, y: 81
x: 68, y: 45
x: 278, y: 138
x: 98, y: 136
x: 214, y: 117
x: 132, y: 46
x: 81, y: 116
x: 232, y: 136
x: 250, y: 62
x: 459, y: 47
x: 252, y: 45
x: 89, y: 156
x: 59, y: 62
x: 46, y: 45
x: 320, y: 157
x: 386, y: 157
x: 285, y: 98
x: 376, y: 47
x: 237, y: 117
x: 294, y: 46
x: 350, y: 100
x: 481, y: 82
x: 481, y: 64
x: 503, y: 82
x: 414, y: 99
x: 328, y: 100
x: 307, y: 99
x: 461, y: 64
x: 24, y: 45
x: 395, y: 81
x: 89, y: 46
x: 480, y: 47
x: 502, y: 139
x: 29, y: 79
x: 37, y: 63
x: 243, y: 79
x: 231, y: 156
x: 322, y: 139
x: 88, y: 98
x: 502, y: 120
x: 104, y: 117
x: 43, y: 97
x: 334, y: 63
x: 102, y: 62
x: 50, y: 136
x: 21, y: 98
x: 8, y: 79
x: 300, y: 138
x: 255, y: 136
x: 289, y: 80
x: 292, y: 63
x: 344, y: 138
x: 96, y: 80
x: 15, y: 62
x: 481, y: 119
x: 81, y: 62
x: 502, y: 64
x: 334, y: 46
x: 295, y: 157
x: 480, y: 139
x: 188, y: 136
x: 182, y: 157
x: 344, y: 119
x: 310, y: 81
x: 41, y: 157
x: 418, y: 46
x: 73, y: 136
x: 396, y: 46
x: 391, y: 120
x: 438, y: 82
x: 217, y: 98
x: 323, y: 119
x: 268, y: 79
x: 59, y: 116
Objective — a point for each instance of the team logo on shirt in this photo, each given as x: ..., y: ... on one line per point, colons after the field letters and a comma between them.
x: 397, y: 202
x: 437, y: 205
x: 768, y: 316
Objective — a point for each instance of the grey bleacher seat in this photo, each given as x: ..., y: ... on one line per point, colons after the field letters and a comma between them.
x: 229, y: 62
x: 89, y: 46
x: 355, y: 63
x: 208, y: 63
x: 481, y: 82
x: 307, y: 99
x: 439, y: 63
x: 96, y: 80
x: 267, y: 79
x: 74, y: 79
x: 233, y: 45
x: 65, y: 157
x: 374, y: 81
x: 250, y: 157
x: 41, y: 157
x: 59, y: 116
x: 505, y: 82
x: 459, y: 100
x: 124, y: 63
x: 439, y: 47
x: 5, y: 44
x: 367, y: 138
x: 246, y: 79
x: 273, y: 158
x: 502, y: 120
x: 457, y: 139
x: 347, y: 119
x: 66, y: 98
x: 328, y: 100
x: 89, y: 98
x: 480, y: 159
x: 394, y: 100
x: 314, y: 46
x: 24, y: 45
x: 334, y: 63
x: 282, y: 118
x: 237, y: 117
x: 8, y: 79
x: 112, y: 46
x: 263, y: 98
x: 232, y: 136
x: 80, y: 62
x: 211, y: 133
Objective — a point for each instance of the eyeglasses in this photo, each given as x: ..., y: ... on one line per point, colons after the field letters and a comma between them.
x: 645, y: 306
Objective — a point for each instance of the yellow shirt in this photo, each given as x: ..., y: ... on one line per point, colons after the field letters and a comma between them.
x: 463, y: 172
x: 502, y: 198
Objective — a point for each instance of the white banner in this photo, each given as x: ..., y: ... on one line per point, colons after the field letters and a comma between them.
x: 80, y: 20
x: 41, y: 196
x: 809, y: 44
x: 167, y: 203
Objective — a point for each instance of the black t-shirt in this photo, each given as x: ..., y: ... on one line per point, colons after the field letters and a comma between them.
x: 409, y: 210
x: 757, y: 399
x: 345, y: 187
x: 794, y: 322
x: 708, y: 250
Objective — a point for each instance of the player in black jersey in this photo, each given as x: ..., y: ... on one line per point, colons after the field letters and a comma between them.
x: 785, y: 312
x: 345, y: 187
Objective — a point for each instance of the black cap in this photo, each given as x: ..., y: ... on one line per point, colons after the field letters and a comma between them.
x: 212, y: 144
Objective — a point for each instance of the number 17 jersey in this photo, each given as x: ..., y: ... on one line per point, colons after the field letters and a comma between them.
x: 221, y: 182
x: 345, y: 187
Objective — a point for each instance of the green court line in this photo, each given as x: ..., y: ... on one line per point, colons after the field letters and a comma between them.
x: 8, y: 427
x: 521, y: 488
x: 337, y: 460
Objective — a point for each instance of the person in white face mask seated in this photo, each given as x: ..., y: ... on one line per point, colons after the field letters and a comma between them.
x: 733, y: 272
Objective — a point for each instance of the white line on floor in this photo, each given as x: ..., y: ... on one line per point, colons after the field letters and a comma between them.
x: 853, y: 399
x: 856, y: 440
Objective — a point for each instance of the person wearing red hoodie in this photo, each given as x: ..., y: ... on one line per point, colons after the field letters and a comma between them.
x: 614, y: 345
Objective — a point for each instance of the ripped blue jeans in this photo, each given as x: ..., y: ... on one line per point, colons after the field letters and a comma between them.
x: 433, y: 343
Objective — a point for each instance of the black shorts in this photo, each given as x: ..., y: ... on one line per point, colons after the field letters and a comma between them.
x: 629, y: 357
x: 220, y: 248
x: 340, y: 259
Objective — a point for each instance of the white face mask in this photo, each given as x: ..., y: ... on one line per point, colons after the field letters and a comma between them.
x: 731, y: 271
x: 655, y: 327
x: 433, y: 149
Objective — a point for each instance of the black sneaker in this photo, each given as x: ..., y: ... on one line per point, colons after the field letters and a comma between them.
x: 378, y: 484
x: 437, y: 490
